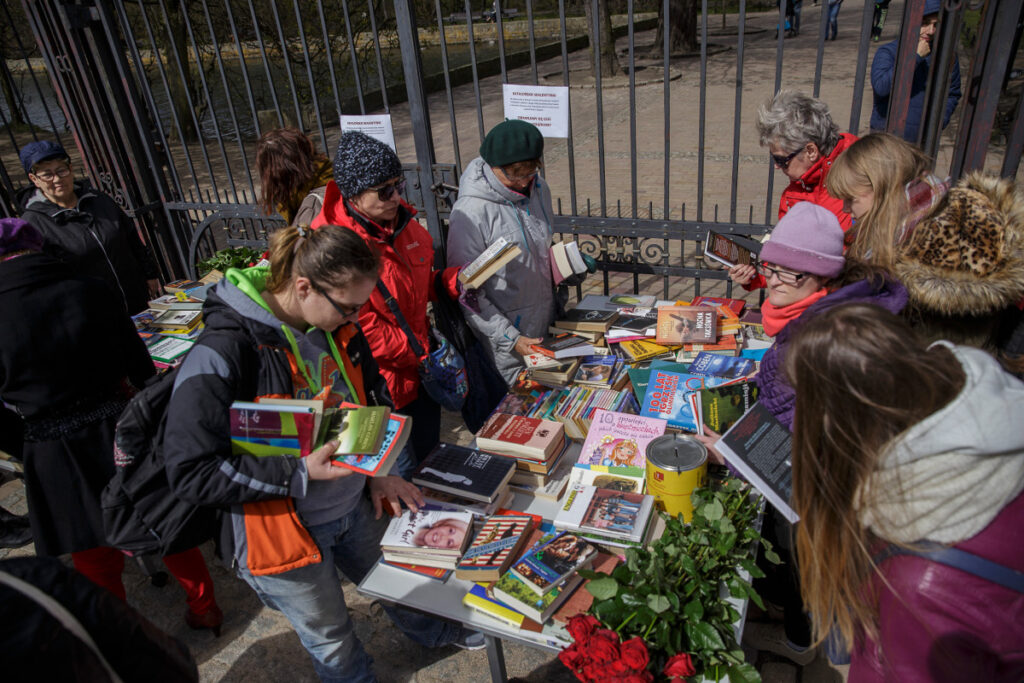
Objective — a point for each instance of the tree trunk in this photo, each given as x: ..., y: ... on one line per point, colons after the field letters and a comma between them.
x: 16, y: 116
x: 682, y: 28
x: 609, y: 61
x: 180, y: 88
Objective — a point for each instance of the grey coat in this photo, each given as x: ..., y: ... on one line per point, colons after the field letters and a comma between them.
x: 520, y: 298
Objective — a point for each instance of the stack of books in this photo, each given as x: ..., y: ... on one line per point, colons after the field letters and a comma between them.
x: 537, y: 445
x: 495, y: 546
x: 490, y: 261
x: 427, y: 537
x: 566, y: 261
x: 674, y: 396
x: 613, y: 455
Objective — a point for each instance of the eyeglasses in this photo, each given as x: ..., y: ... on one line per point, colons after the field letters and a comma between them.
x: 385, y: 192
x: 786, y: 277
x: 783, y: 162
x: 48, y: 176
x: 344, y: 312
x: 520, y: 178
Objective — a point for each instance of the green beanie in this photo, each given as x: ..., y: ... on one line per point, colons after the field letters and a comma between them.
x: 512, y: 141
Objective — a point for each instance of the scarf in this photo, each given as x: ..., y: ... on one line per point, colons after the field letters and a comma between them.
x: 775, y: 318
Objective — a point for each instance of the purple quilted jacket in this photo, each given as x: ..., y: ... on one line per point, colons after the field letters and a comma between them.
x: 777, y: 395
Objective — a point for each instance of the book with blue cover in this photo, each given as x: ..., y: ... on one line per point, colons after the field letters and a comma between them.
x: 543, y: 568
x: 708, y: 364
x: 670, y: 396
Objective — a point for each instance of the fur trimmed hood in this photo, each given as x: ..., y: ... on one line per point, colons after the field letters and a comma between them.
x: 968, y: 257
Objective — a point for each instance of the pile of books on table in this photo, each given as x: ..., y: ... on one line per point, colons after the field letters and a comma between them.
x: 172, y: 322
x: 465, y: 479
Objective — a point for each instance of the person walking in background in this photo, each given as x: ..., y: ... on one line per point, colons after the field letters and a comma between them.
x: 833, y: 19
x: 883, y: 71
x: 878, y: 18
x: 501, y: 194
x: 908, y: 468
x: 69, y: 361
x: 293, y: 177
x: 366, y: 198
x: 85, y: 228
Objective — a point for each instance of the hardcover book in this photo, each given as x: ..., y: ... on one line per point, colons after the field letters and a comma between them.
x: 598, y: 371
x: 614, y: 514
x: 735, y: 306
x: 615, y: 480
x: 478, y: 599
x: 708, y: 364
x: 726, y: 251
x: 544, y: 568
x: 643, y: 349
x: 759, y: 447
x: 465, y: 472
x: 679, y: 324
x: 619, y: 440
x: 517, y: 595
x: 436, y: 573
x: 166, y: 349
x: 588, y: 321
x: 581, y: 600
x: 565, y: 345
x: 495, y: 546
x: 519, y: 436
x: 720, y: 407
x: 361, y: 429
x: 667, y: 397
x: 261, y: 429
x: 428, y: 531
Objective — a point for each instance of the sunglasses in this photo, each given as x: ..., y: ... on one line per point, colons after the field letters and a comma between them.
x: 344, y: 312
x: 385, y: 192
x: 785, y: 277
x: 783, y: 162
x: 520, y: 178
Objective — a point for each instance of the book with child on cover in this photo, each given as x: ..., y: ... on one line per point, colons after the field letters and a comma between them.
x: 544, y: 568
x: 428, y: 531
x: 617, y: 442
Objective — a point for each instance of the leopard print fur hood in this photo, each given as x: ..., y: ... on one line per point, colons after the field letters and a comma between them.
x: 967, y: 258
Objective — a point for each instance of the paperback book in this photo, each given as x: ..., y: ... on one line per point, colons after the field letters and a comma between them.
x: 587, y: 320
x: 759, y: 447
x: 489, y: 262
x: 428, y: 532
x: 378, y: 464
x: 613, y: 514
x: 544, y: 568
x: 669, y: 397
x: 615, y: 480
x: 478, y: 600
x: 465, y: 472
x: 495, y: 546
x: 617, y: 442
x: 681, y: 324
x: 708, y: 364
x: 361, y: 429
x: 597, y: 371
x: 519, y: 436
x: 264, y: 429
x: 720, y: 407
x: 727, y: 251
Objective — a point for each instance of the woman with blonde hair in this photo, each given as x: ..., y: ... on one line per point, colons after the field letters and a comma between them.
x: 290, y: 525
x: 886, y: 184
x: 908, y: 468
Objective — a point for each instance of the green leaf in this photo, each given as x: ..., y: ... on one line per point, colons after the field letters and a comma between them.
x: 603, y: 589
x: 772, y: 557
x: 743, y: 673
x: 631, y: 600
x: 658, y: 603
x: 694, y: 611
x: 704, y: 636
x: 713, y: 510
x: 689, y: 566
x: 674, y: 599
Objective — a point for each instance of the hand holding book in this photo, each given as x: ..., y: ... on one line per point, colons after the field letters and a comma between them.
x: 318, y: 463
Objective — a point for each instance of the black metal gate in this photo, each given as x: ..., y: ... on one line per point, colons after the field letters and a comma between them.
x: 165, y: 98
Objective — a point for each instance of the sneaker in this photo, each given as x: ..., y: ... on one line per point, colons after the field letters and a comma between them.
x: 470, y: 640
x: 772, y: 638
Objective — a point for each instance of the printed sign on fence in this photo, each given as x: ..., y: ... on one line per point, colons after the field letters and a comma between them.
x: 377, y: 126
x: 544, y: 106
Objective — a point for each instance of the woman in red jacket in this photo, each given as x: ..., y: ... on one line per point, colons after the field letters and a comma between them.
x: 908, y: 468
x: 365, y: 197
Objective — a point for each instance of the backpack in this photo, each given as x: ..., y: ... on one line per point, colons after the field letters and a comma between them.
x: 141, y: 513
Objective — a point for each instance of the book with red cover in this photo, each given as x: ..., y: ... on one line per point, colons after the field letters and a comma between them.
x: 519, y: 436
x: 495, y: 546
x: 581, y: 600
x: 436, y: 573
x: 734, y: 305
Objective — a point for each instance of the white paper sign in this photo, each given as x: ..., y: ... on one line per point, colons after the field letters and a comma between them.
x: 377, y: 126
x: 544, y: 106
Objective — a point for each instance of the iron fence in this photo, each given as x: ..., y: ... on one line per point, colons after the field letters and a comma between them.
x: 164, y: 100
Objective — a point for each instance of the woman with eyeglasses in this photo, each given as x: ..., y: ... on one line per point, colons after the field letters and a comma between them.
x: 85, y: 228
x: 501, y: 194
x: 366, y: 198
x: 803, y: 142
x: 289, y: 525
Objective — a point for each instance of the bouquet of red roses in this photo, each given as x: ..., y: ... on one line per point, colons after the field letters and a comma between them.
x: 597, y: 655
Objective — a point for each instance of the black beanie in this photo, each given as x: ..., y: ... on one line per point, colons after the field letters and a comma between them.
x: 512, y: 141
x: 363, y: 162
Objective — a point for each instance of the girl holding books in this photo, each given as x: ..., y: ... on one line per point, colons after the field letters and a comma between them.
x: 289, y: 525
x: 956, y: 249
x: 70, y: 359
x: 908, y: 468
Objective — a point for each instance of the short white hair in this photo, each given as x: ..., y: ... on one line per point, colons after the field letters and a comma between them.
x: 792, y: 119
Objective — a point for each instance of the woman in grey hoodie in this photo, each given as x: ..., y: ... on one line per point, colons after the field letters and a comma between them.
x: 501, y: 194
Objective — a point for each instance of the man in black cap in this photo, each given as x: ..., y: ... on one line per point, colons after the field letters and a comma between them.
x: 501, y: 194
x: 85, y: 228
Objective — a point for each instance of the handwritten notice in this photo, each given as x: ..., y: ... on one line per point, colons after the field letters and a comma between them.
x: 377, y: 126
x: 544, y: 106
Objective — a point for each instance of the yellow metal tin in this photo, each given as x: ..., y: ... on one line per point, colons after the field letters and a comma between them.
x: 676, y: 465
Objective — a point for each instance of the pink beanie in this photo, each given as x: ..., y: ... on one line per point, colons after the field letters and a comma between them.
x: 807, y: 239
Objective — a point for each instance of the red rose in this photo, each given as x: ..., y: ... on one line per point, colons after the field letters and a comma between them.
x: 639, y: 677
x: 608, y: 635
x: 679, y: 666
x: 602, y: 649
x: 617, y: 668
x: 571, y: 657
x: 582, y: 626
x: 593, y: 672
x: 634, y: 654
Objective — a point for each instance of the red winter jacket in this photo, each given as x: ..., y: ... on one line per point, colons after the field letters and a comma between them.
x: 811, y: 188
x: 407, y: 263
x: 943, y: 624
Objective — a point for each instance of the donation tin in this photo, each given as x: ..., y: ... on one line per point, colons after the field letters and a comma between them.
x: 676, y: 465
